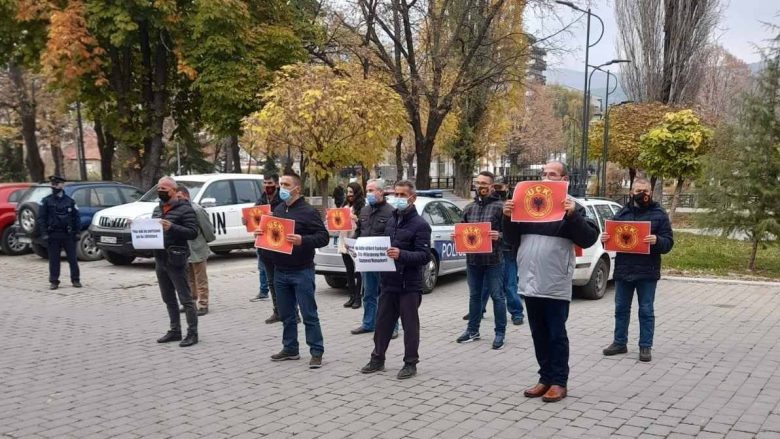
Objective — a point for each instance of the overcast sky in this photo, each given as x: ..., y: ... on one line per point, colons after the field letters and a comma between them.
x: 740, y: 27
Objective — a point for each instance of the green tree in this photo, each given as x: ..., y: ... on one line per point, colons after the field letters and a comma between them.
x: 741, y: 176
x: 674, y: 149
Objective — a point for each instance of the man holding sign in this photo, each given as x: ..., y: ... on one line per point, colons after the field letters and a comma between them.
x: 639, y: 272
x: 545, y: 263
x: 484, y: 271
x: 180, y: 225
x: 294, y: 272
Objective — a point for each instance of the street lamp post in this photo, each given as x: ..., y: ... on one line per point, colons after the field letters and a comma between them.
x: 585, y: 103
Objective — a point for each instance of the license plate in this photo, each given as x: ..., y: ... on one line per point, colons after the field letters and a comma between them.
x: 24, y: 239
x: 108, y: 239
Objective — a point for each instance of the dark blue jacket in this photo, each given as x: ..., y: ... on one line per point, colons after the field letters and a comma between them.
x: 310, y: 226
x: 632, y: 267
x: 58, y: 214
x: 412, y: 235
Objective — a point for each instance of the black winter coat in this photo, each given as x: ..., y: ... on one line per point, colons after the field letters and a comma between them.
x: 410, y: 233
x: 313, y: 233
x: 58, y: 214
x: 372, y: 220
x: 184, y: 221
x: 631, y: 266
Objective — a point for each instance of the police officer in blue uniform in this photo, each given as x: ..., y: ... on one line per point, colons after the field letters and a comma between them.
x: 58, y: 226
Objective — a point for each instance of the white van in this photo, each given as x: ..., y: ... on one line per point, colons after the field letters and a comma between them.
x: 222, y: 195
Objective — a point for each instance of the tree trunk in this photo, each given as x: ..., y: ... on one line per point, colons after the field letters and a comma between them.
x: 753, y: 251
x: 631, y: 177
x: 154, y: 91
x: 658, y: 189
x: 463, y: 175
x: 106, y: 146
x: 399, y: 158
x: 323, y: 188
x: 676, y: 197
x: 235, y: 154
x: 410, y: 165
x: 27, y: 113
x: 423, y: 150
x: 56, y: 151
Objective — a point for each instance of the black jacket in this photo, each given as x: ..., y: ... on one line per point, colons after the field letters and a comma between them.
x: 412, y: 235
x: 58, y: 214
x: 184, y: 221
x: 577, y: 228
x: 313, y: 233
x: 373, y: 219
x: 632, y: 267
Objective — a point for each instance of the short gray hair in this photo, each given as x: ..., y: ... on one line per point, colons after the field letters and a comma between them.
x: 379, y: 182
x: 168, y: 179
x: 407, y: 184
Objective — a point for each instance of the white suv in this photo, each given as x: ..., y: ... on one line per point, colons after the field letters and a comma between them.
x: 222, y: 195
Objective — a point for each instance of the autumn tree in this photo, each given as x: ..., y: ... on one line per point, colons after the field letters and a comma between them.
x: 674, y: 149
x: 537, y: 133
x: 724, y: 78
x: 334, y: 117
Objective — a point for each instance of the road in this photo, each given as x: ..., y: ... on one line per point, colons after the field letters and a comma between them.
x: 84, y: 363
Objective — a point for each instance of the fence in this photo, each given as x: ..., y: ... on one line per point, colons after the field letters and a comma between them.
x: 686, y: 200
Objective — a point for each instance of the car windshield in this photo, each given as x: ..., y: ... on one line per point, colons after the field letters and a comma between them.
x: 193, y: 186
x: 36, y: 194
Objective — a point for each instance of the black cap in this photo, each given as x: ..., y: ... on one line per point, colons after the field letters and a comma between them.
x: 56, y: 179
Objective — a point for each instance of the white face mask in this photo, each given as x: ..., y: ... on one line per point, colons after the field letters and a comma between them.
x: 400, y: 203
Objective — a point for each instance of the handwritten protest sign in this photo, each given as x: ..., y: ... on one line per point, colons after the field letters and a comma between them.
x: 147, y: 234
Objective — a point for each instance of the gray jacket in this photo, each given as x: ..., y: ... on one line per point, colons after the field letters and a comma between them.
x: 199, y: 247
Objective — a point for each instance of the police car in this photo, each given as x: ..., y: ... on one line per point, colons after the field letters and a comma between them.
x: 440, y: 214
x: 222, y: 195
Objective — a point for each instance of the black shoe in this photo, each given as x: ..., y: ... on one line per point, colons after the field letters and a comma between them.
x: 76, y: 284
x: 373, y: 366
x: 259, y: 297
x: 518, y: 321
x: 615, y: 349
x: 468, y: 337
x: 203, y: 311
x: 357, y: 303
x: 315, y: 362
x: 273, y: 319
x: 170, y: 336
x: 498, y: 342
x: 350, y: 302
x: 645, y: 354
x: 53, y: 285
x: 190, y: 339
x: 282, y: 356
x: 408, y: 371
x: 360, y: 330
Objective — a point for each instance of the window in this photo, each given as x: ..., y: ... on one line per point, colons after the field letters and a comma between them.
x: 105, y: 197
x: 81, y: 197
x: 615, y: 208
x: 16, y: 195
x: 453, y: 211
x: 220, y: 191
x: 435, y: 215
x: 131, y: 194
x: 247, y: 191
x: 604, y: 212
x: 36, y: 194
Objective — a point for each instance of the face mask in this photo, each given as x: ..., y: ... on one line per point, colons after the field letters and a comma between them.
x: 642, y: 199
x: 284, y: 194
x: 350, y: 198
x: 56, y: 190
x: 400, y: 203
x: 483, y: 191
x: 164, y: 196
x: 269, y: 190
x: 501, y: 194
x: 371, y: 198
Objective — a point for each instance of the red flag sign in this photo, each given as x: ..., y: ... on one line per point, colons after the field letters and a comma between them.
x: 627, y: 236
x: 473, y: 238
x: 539, y: 201
x: 339, y: 219
x: 253, y: 214
x: 275, y: 231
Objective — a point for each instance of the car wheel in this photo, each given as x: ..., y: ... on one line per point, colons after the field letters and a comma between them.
x: 40, y: 250
x: 27, y: 216
x: 86, y: 249
x: 11, y: 245
x: 118, y: 258
x: 334, y: 281
x: 430, y: 275
x: 597, y: 285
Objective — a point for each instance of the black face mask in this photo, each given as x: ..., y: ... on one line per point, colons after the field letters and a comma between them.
x: 56, y: 190
x: 501, y: 194
x: 642, y: 200
x: 164, y: 196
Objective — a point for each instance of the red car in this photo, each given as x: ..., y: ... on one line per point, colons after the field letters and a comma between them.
x: 10, y: 193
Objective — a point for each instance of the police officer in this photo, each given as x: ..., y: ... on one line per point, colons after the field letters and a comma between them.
x: 58, y: 226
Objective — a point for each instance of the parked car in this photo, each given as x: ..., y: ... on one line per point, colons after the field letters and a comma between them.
x: 10, y: 193
x: 594, y: 266
x: 90, y: 197
x: 222, y: 195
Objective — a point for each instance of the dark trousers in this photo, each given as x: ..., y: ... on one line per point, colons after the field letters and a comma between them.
x: 56, y: 243
x: 645, y: 294
x: 547, y: 320
x: 391, y: 306
x: 354, y: 280
x: 486, y: 281
x: 270, y: 275
x: 173, y: 280
x: 297, y: 286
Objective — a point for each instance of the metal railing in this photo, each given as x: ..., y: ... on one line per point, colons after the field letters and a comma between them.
x: 690, y: 200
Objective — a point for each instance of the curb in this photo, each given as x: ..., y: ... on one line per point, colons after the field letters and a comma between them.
x: 716, y: 280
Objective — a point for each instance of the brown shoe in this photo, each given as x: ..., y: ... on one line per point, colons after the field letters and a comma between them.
x: 536, y: 391
x: 555, y: 394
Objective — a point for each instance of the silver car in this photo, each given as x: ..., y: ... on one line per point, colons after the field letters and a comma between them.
x: 441, y: 214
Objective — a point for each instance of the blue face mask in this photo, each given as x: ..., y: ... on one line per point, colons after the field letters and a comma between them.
x: 284, y: 194
x: 400, y: 203
x: 371, y: 198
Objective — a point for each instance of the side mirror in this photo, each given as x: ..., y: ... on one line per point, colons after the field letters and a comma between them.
x: 208, y: 202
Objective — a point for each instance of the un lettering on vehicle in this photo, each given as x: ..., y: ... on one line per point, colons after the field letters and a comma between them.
x: 219, y: 223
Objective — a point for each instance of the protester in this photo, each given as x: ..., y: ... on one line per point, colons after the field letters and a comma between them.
x: 59, y: 226
x: 545, y: 263
x: 355, y: 202
x: 197, y: 277
x: 514, y: 305
x: 639, y: 272
x: 338, y: 195
x: 401, y: 290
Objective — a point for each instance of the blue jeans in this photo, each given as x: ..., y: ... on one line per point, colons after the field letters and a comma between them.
x: 370, y: 295
x: 486, y: 280
x: 297, y: 286
x: 513, y: 303
x: 547, y: 320
x: 263, y: 276
x: 645, y: 293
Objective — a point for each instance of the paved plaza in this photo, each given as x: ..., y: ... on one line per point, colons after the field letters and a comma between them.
x: 84, y: 363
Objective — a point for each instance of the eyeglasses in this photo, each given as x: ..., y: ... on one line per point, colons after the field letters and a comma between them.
x: 550, y: 174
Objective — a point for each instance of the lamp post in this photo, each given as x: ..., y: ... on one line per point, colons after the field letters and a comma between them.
x: 585, y: 101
